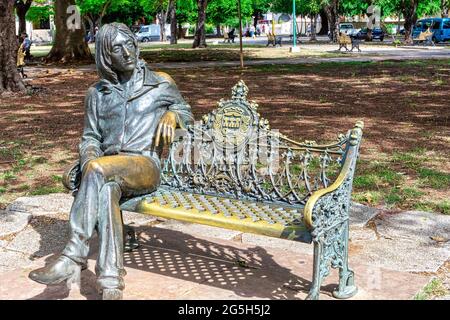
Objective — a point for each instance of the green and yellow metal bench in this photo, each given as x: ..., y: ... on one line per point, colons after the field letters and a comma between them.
x: 231, y: 170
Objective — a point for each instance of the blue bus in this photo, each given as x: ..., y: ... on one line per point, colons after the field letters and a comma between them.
x: 439, y: 26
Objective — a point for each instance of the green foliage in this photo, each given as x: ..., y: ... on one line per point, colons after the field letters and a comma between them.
x: 97, y: 7
x: 301, y: 6
x: 37, y: 14
x: 129, y: 13
x: 354, y: 7
x: 226, y: 11
x: 186, y: 11
x: 394, y: 7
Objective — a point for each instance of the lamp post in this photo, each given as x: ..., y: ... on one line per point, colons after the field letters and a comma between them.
x: 294, y: 47
x: 240, y: 34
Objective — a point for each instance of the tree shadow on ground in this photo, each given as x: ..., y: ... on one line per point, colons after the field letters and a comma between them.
x: 53, y: 233
x: 247, y: 272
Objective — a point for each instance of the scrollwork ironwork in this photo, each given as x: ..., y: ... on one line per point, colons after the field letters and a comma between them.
x: 235, y: 143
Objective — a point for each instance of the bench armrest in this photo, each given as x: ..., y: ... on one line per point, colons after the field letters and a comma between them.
x: 337, y: 196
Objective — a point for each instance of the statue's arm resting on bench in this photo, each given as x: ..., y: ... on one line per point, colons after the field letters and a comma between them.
x: 176, y: 103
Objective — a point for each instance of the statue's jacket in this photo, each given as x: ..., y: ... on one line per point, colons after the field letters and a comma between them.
x: 120, y: 122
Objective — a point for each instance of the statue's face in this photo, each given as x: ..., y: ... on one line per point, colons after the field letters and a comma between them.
x: 123, y: 55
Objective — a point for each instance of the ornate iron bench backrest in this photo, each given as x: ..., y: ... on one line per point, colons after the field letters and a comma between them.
x: 233, y: 152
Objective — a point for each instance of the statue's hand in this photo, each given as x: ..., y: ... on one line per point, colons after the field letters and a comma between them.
x: 166, y: 128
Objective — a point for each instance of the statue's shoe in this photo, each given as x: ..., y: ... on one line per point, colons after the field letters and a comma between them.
x: 112, y: 294
x: 62, y: 269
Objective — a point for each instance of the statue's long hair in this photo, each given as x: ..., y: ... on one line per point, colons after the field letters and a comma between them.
x: 103, y: 49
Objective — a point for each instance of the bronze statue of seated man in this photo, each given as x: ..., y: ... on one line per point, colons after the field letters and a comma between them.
x: 128, y: 113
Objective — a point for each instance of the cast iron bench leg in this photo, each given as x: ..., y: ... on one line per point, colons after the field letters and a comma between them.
x: 129, y: 238
x: 347, y: 286
x: 331, y: 248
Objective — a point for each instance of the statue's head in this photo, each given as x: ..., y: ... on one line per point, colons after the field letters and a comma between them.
x: 117, y: 51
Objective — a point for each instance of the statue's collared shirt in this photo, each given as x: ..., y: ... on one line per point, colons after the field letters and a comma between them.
x: 121, y: 120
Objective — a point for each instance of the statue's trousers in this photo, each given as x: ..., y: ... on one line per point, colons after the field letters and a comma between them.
x: 104, y: 182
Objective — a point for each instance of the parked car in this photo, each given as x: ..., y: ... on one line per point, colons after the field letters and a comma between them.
x: 377, y: 33
x: 348, y: 29
x: 439, y: 26
x: 151, y: 32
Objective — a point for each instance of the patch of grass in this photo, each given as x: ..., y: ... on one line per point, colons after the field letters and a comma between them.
x: 56, y: 178
x: 435, y: 288
x: 424, y: 206
x: 406, y: 79
x: 376, y: 182
x: 393, y: 197
x: 444, y: 206
x: 412, y: 192
x: 23, y: 187
x: 390, y: 176
x: 38, y: 160
x: 11, y: 150
x: 323, y: 99
x: 402, y: 196
x: 428, y: 206
x: 407, y: 159
x: 439, y: 82
x: 427, y: 134
x: 8, y: 176
x: 368, y: 181
x: 369, y: 197
x: 39, y: 191
x: 433, y: 178
x: 295, y: 169
x: 2, y: 190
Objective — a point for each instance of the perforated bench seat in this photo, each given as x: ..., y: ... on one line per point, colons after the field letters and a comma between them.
x: 269, y: 219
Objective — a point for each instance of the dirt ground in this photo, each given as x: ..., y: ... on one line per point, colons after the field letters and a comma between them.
x: 405, y: 106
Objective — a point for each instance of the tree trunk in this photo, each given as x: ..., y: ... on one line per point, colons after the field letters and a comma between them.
x: 257, y: 15
x: 313, y: 28
x: 162, y: 24
x: 410, y: 14
x: 69, y: 45
x: 180, y: 31
x: 200, y: 32
x: 21, y: 11
x: 9, y: 77
x: 444, y: 8
x: 91, y: 22
x: 324, y: 20
x: 218, y: 31
x: 333, y: 18
x: 173, y: 22
x: 369, y: 35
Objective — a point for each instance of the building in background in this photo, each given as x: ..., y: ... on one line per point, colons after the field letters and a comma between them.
x: 41, y: 30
